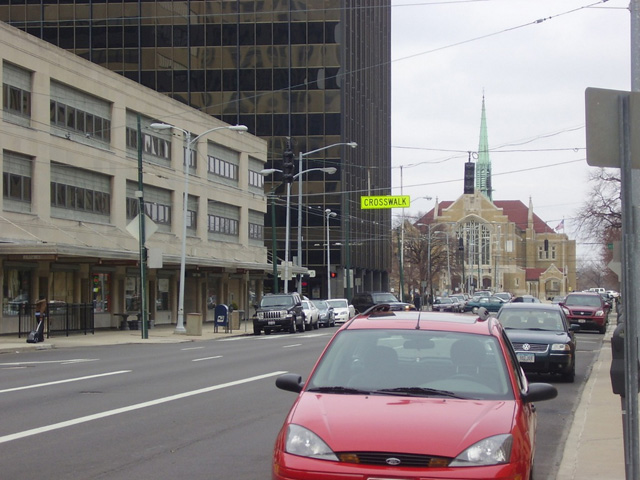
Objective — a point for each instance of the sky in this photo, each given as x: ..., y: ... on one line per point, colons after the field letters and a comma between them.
x: 532, y: 61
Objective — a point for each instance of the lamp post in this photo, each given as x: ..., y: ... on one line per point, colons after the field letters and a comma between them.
x: 329, y: 214
x: 301, y: 155
x: 189, y: 143
x: 269, y: 171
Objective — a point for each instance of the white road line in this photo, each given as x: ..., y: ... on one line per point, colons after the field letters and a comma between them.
x: 57, y: 382
x: 292, y: 345
x: 130, y: 408
x: 191, y: 348
x: 206, y: 358
x: 72, y: 360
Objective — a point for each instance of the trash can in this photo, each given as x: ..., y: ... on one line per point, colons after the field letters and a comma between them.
x: 236, y: 317
x: 194, y: 324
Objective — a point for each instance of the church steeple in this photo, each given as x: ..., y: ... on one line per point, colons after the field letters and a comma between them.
x: 483, y: 165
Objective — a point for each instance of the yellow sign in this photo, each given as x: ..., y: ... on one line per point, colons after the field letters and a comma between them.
x: 386, y: 201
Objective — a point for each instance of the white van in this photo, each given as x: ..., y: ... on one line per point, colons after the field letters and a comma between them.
x: 597, y: 290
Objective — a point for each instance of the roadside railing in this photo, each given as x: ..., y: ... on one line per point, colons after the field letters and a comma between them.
x: 60, y: 318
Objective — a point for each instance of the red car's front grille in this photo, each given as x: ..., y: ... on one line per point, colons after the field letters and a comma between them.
x: 394, y: 459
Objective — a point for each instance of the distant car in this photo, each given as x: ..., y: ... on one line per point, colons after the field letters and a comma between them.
x: 482, y: 293
x: 492, y: 304
x: 311, y: 315
x: 279, y: 312
x: 363, y: 301
x: 341, y: 309
x: 525, y: 299
x: 542, y: 337
x: 586, y: 309
x: 506, y: 296
x: 445, y: 304
x: 326, y: 317
x: 461, y: 299
x: 411, y: 395
x: 558, y: 299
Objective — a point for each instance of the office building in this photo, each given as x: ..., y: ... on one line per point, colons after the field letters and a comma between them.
x: 313, y: 73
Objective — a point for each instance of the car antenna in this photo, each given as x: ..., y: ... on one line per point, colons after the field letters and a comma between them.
x: 418, y: 324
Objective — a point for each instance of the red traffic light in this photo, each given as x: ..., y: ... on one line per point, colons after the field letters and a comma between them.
x: 334, y: 274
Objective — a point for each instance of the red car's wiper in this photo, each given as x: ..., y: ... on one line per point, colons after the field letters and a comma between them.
x: 339, y: 389
x: 420, y: 391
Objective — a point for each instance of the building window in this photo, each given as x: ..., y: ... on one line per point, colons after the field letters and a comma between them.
x: 157, y: 212
x: 192, y: 219
x: 222, y: 168
x: 16, y: 100
x: 72, y: 118
x: 16, y: 187
x: 191, y: 158
x: 101, y: 293
x: 152, y: 145
x: 256, y: 179
x: 226, y: 226
x: 78, y: 198
x: 256, y: 231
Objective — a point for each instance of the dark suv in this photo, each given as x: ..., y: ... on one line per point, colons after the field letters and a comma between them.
x: 365, y: 300
x: 586, y: 309
x: 279, y: 311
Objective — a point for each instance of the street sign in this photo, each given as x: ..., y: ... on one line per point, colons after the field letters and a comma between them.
x: 385, y: 201
x: 603, y: 127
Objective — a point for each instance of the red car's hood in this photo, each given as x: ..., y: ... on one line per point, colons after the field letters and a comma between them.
x: 434, y: 426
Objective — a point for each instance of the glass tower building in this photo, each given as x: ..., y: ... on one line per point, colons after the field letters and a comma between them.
x: 300, y: 73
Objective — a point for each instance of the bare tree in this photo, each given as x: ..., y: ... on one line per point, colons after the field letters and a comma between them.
x: 601, y: 214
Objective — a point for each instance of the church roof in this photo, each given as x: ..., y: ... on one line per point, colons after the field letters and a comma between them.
x: 515, y: 210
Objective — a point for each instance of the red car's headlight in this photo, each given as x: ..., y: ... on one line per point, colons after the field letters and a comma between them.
x: 302, y: 441
x: 494, y: 450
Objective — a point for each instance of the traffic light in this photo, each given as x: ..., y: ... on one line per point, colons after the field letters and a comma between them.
x: 460, y: 244
x: 334, y: 274
x: 288, y: 167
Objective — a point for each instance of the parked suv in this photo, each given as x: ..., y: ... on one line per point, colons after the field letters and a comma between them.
x: 586, y: 309
x: 365, y: 300
x: 279, y: 311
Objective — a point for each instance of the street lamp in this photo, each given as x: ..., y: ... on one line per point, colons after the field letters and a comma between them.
x: 269, y: 171
x: 329, y: 215
x: 189, y: 143
x: 300, y: 157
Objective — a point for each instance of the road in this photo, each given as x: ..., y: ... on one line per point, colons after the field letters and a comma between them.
x: 204, y: 410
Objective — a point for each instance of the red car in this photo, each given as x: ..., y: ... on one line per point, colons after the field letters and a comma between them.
x: 412, y: 395
x: 587, y: 309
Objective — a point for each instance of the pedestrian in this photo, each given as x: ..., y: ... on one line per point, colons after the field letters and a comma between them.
x: 416, y: 301
x: 41, y: 315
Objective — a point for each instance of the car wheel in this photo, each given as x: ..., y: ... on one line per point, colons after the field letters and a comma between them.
x: 316, y: 326
x: 292, y: 326
x: 267, y: 331
x: 570, y: 376
x: 256, y: 330
x: 474, y: 310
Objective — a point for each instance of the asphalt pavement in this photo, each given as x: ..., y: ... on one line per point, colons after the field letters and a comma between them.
x: 594, y: 448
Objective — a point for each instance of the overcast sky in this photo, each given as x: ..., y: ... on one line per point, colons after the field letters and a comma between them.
x: 448, y: 54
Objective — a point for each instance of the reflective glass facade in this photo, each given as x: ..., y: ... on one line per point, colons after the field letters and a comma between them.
x: 314, y: 71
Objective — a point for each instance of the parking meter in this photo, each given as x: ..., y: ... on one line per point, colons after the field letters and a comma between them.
x: 617, y: 370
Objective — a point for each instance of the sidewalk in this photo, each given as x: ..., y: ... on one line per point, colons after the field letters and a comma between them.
x: 593, y: 449
x: 158, y: 334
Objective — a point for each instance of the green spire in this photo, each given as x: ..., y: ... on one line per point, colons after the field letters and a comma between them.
x: 483, y: 165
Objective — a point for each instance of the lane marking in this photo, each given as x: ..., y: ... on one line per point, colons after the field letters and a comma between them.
x: 191, y: 348
x: 68, y: 380
x: 292, y: 345
x: 130, y: 408
x: 206, y: 358
x: 45, y: 362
